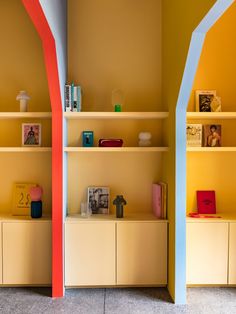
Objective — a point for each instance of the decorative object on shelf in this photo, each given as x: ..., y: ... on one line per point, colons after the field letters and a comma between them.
x: 117, y: 99
x: 22, y: 199
x: 159, y: 200
x: 23, y: 97
x: 212, y: 135
x: 206, y: 202
x: 144, y: 139
x: 87, y: 138
x: 203, y: 100
x: 216, y: 104
x: 110, y: 143
x: 36, y: 193
x: 85, y: 209
x: 119, y: 202
x: 99, y: 199
x: 31, y: 134
x: 73, y: 98
x: 194, y: 135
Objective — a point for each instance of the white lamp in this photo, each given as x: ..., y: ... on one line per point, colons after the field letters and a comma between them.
x: 23, y: 97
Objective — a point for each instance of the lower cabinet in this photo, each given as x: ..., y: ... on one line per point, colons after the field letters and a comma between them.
x: 90, y: 253
x: 99, y: 253
x: 26, y: 253
x: 232, y: 253
x: 141, y: 253
x: 207, y: 253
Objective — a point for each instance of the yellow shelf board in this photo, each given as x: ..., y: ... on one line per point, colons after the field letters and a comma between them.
x: 114, y: 149
x: 22, y: 115
x: 129, y: 217
x: 11, y: 218
x: 25, y: 149
x: 116, y: 115
x: 211, y: 115
x: 225, y: 217
x: 211, y: 149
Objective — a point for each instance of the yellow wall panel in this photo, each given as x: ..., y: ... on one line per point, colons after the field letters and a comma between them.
x: 116, y: 44
x: 21, y: 60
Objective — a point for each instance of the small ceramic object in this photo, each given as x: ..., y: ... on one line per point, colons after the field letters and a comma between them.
x: 144, y: 139
x: 119, y: 201
x: 36, y: 193
x: 23, y: 97
x: 117, y: 99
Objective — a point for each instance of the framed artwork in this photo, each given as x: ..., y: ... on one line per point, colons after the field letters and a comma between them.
x: 31, y: 134
x: 203, y: 100
x: 21, y: 199
x: 194, y: 135
x: 212, y: 135
x: 99, y: 199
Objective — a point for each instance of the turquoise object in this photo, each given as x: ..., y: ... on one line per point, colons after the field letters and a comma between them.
x: 119, y: 201
x: 36, y: 209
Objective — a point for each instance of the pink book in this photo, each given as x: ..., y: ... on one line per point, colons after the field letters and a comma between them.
x: 156, y: 200
x: 206, y: 202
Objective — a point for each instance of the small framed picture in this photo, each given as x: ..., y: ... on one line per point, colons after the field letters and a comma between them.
x: 203, y: 100
x: 99, y: 199
x: 212, y: 135
x: 31, y: 134
x: 194, y: 135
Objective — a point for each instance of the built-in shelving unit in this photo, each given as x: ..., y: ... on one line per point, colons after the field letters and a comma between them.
x: 211, y: 149
x: 25, y: 149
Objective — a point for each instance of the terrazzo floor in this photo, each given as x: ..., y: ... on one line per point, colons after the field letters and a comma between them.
x: 116, y: 301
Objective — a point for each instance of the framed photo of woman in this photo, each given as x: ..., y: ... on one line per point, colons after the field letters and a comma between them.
x: 31, y: 134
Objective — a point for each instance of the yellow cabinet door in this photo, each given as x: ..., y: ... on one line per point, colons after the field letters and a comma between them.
x: 89, y: 253
x: 141, y: 253
x: 26, y: 253
x: 232, y: 253
x: 207, y: 253
x: 0, y: 253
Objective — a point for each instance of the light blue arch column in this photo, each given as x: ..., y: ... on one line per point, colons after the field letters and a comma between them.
x: 190, y: 70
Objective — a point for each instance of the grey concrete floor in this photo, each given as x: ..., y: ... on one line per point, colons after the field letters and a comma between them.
x: 116, y: 301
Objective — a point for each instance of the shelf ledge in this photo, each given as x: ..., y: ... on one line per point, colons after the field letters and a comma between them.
x: 22, y: 115
x: 25, y: 149
x: 116, y: 115
x: 211, y: 149
x: 211, y: 115
x: 114, y: 149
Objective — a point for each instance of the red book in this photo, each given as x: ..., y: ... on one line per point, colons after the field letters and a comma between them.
x: 206, y: 202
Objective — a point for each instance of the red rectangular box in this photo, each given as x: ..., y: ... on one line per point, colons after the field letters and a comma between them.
x: 206, y: 202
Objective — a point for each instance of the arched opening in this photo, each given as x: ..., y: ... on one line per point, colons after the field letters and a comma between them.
x: 194, y: 79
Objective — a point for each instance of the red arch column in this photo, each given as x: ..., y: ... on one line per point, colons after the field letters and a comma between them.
x: 39, y: 20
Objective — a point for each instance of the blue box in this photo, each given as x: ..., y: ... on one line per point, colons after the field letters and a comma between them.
x: 87, y: 139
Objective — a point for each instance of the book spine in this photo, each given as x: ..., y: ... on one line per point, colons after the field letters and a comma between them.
x: 75, y: 102
x: 163, y: 200
x: 156, y: 200
x: 72, y: 96
x: 67, y: 98
x: 79, y: 98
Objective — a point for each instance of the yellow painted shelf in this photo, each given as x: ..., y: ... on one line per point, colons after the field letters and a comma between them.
x: 116, y: 115
x: 22, y: 115
x: 211, y: 149
x: 225, y: 217
x: 115, y: 149
x: 11, y: 218
x: 128, y: 217
x: 211, y: 115
x: 25, y: 149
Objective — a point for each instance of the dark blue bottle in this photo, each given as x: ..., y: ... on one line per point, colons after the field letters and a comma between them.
x: 36, y: 209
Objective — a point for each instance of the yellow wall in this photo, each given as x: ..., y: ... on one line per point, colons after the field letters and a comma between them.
x: 22, y: 68
x: 216, y: 70
x: 179, y: 20
x: 116, y: 44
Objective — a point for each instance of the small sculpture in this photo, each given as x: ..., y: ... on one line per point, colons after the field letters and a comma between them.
x: 144, y: 139
x: 23, y: 97
x: 36, y: 201
x: 119, y: 201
